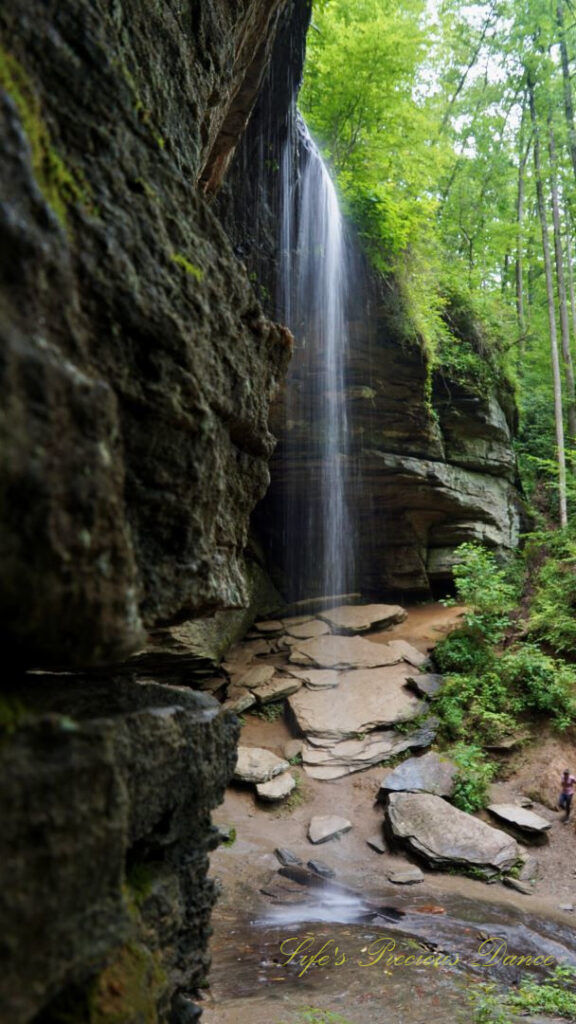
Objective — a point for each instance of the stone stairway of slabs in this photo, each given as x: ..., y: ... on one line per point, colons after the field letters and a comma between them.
x: 347, y: 693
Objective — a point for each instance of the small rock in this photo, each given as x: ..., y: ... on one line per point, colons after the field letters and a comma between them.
x: 529, y: 870
x: 377, y: 843
x: 255, y: 764
x: 327, y: 826
x: 408, y: 876
x: 269, y: 626
x: 277, y: 788
x: 320, y: 868
x: 239, y: 699
x: 286, y: 856
x: 408, y: 653
x: 256, y: 675
x: 568, y: 907
x: 293, y: 749
x: 226, y: 833
x: 427, y: 684
x: 306, y: 630
x: 276, y: 689
x: 526, y: 802
x: 515, y: 883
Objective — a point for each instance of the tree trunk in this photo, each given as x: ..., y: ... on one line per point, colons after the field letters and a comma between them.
x: 562, y: 299
x: 560, y: 451
x: 568, y: 103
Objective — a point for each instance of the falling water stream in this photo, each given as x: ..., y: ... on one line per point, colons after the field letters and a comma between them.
x: 313, y: 297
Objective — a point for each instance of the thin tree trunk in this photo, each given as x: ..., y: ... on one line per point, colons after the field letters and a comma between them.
x: 568, y: 102
x: 520, y: 196
x: 562, y: 299
x: 571, y: 283
x: 560, y: 451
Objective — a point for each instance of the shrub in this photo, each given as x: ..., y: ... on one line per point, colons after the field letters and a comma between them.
x: 475, y: 772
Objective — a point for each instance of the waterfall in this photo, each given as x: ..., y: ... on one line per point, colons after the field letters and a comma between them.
x: 313, y: 296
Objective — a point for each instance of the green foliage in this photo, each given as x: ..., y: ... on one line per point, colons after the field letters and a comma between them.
x: 553, y: 605
x: 556, y: 995
x: 270, y: 712
x: 489, y: 588
x: 231, y: 838
x: 485, y: 692
x: 537, y: 682
x: 475, y: 772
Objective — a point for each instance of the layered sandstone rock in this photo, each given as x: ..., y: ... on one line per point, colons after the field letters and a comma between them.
x: 137, y: 367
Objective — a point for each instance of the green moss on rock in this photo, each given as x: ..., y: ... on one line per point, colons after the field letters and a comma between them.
x: 58, y: 184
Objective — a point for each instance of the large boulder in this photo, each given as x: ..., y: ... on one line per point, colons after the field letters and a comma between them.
x: 444, y: 835
x: 431, y: 773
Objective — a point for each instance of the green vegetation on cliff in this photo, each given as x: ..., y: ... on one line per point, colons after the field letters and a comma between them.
x: 451, y: 131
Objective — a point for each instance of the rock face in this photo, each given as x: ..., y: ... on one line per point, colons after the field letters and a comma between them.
x: 103, y: 847
x: 444, y: 835
x: 137, y: 370
x: 137, y: 367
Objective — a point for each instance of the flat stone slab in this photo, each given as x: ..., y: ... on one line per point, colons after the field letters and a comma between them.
x: 343, y: 652
x: 256, y: 675
x: 431, y: 773
x: 316, y: 678
x: 277, y: 688
x: 338, y: 759
x: 360, y: 618
x: 427, y: 684
x: 277, y: 788
x: 269, y: 626
x: 408, y: 653
x: 367, y: 699
x: 408, y: 876
x: 520, y: 817
x: 238, y: 699
x: 255, y: 764
x: 328, y: 826
x: 444, y: 835
x: 306, y: 630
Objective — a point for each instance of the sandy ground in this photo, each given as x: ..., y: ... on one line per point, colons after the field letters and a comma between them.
x: 532, y: 771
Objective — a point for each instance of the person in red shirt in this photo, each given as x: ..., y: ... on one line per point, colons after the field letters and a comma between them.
x: 567, y: 784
